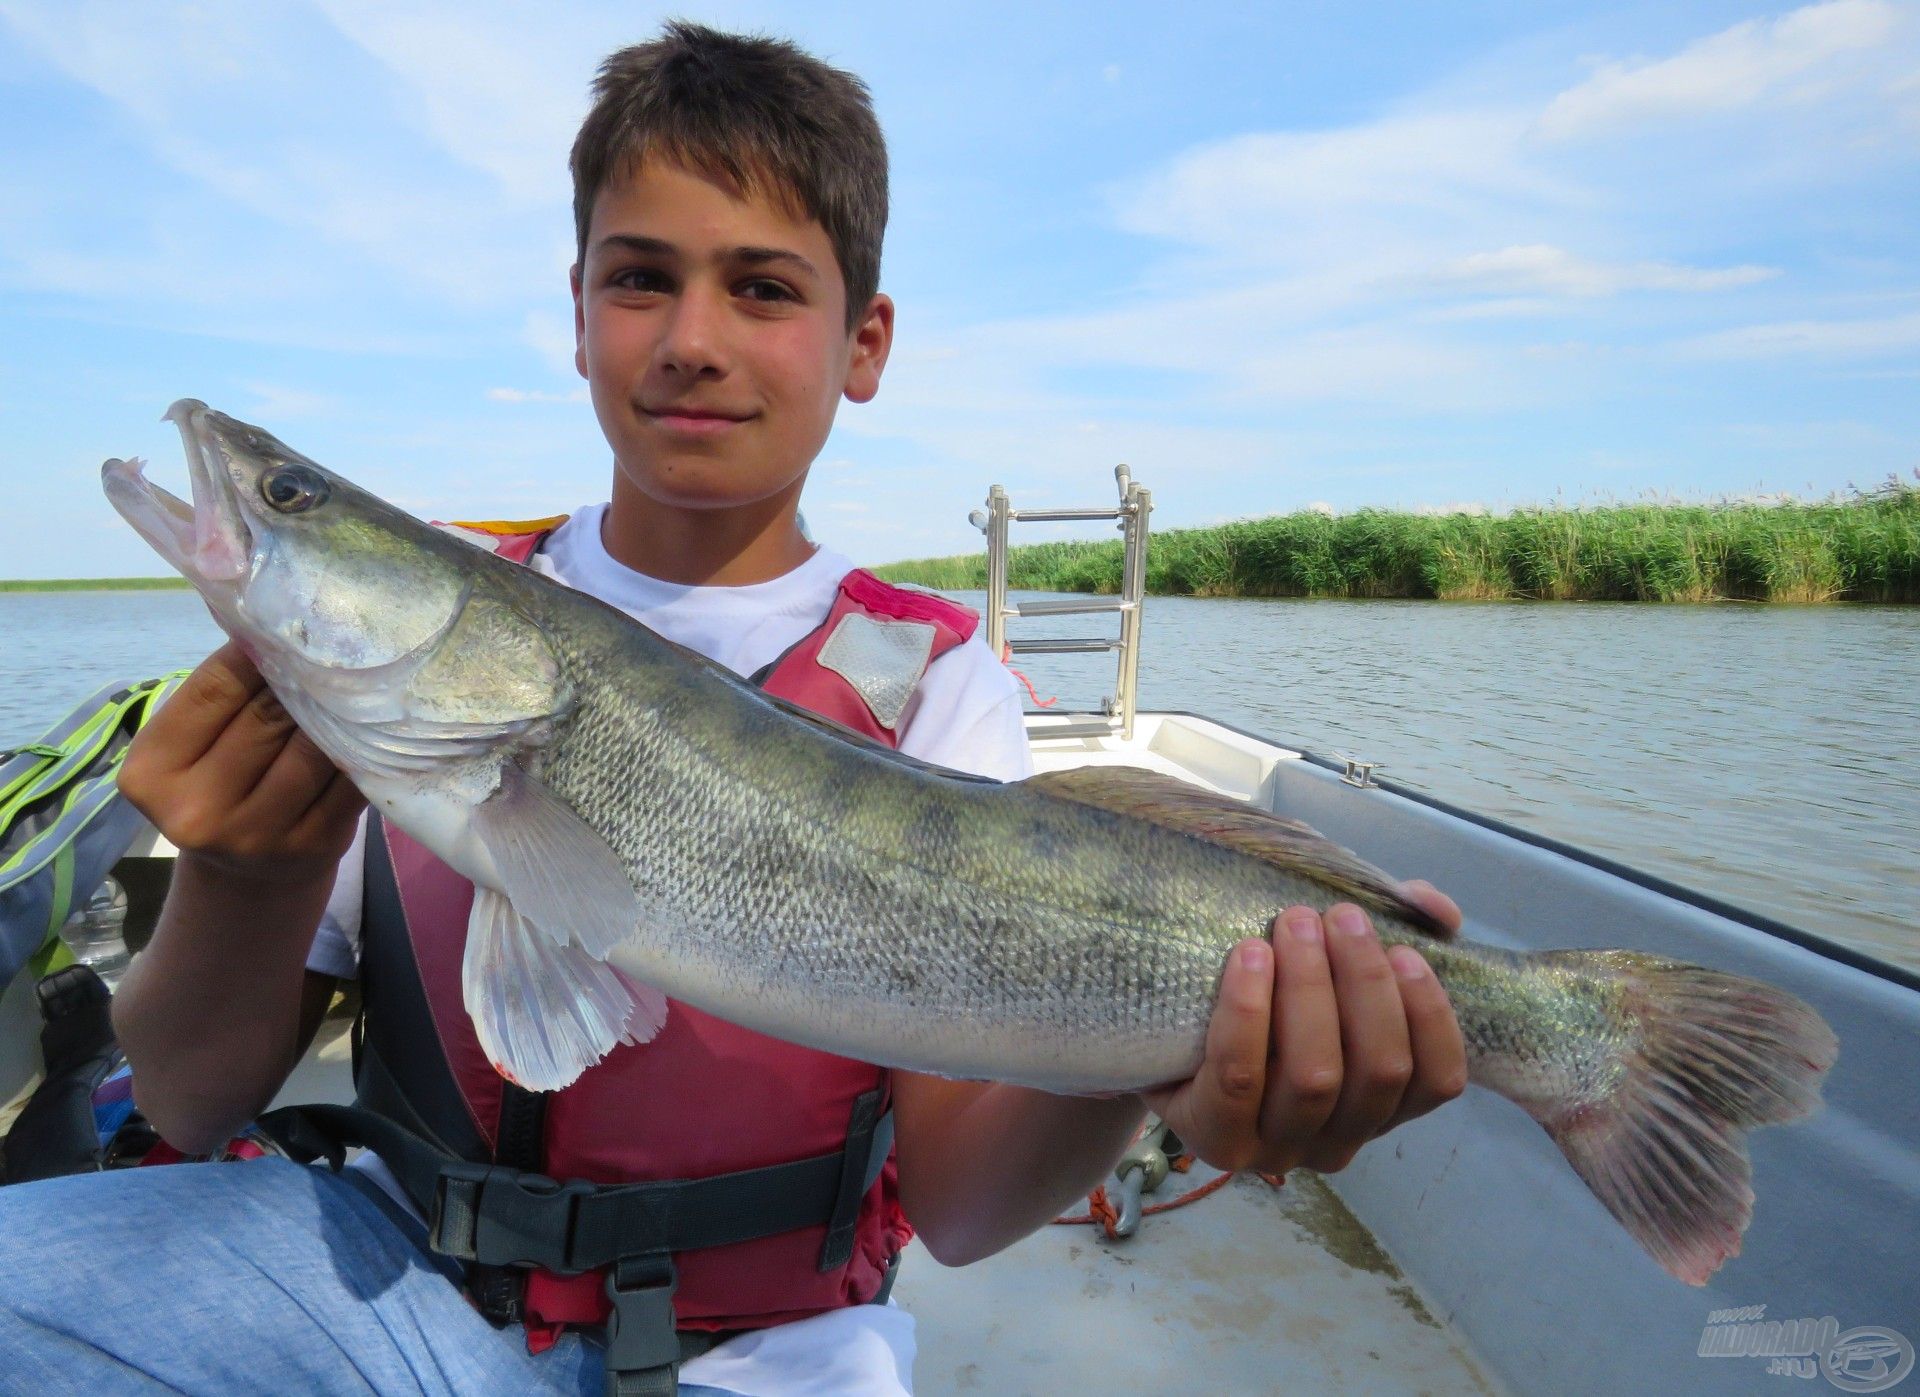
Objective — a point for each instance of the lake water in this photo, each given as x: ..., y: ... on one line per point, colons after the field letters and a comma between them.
x: 1768, y: 755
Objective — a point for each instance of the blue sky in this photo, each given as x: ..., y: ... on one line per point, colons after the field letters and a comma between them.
x: 1272, y: 256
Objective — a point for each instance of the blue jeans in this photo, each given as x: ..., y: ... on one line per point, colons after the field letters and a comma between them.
x: 263, y: 1277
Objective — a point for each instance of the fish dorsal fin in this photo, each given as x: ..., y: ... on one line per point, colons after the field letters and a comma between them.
x: 1247, y: 829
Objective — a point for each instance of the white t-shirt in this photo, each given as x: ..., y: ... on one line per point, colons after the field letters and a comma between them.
x: 965, y: 714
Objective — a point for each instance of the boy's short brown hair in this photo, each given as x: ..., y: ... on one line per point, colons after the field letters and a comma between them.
x: 765, y: 115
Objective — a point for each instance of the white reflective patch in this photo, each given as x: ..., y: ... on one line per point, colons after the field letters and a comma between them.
x: 479, y: 538
x: 883, y: 660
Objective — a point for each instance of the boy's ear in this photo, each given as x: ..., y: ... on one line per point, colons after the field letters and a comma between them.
x: 579, y: 322
x: 872, y: 339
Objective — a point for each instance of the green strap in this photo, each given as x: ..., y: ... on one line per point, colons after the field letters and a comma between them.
x: 54, y: 955
x: 62, y: 887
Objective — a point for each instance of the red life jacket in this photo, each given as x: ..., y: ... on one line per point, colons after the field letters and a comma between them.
x: 705, y: 1097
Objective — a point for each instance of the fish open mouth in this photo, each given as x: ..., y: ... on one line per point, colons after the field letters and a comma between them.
x: 208, y: 541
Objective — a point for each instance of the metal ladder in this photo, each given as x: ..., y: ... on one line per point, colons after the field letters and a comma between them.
x: 1136, y: 502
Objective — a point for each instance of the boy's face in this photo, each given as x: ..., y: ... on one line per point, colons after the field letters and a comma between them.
x: 711, y: 330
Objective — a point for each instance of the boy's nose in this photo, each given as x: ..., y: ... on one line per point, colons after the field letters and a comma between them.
x: 693, y: 340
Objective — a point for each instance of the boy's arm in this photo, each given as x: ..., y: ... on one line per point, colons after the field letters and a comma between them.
x: 1320, y: 1042
x: 216, y: 1010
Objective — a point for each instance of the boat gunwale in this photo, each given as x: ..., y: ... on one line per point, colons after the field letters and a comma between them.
x: 1757, y: 921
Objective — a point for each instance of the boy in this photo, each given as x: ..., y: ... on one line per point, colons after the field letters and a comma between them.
x: 730, y: 200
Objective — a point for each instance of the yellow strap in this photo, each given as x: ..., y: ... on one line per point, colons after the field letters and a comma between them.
x: 511, y: 528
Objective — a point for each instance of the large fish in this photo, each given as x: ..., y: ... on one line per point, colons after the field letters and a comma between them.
x: 641, y: 823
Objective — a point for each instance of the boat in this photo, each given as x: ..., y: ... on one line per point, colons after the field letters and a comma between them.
x: 1460, y: 1254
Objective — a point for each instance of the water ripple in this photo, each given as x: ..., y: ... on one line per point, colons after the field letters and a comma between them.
x: 1766, y: 755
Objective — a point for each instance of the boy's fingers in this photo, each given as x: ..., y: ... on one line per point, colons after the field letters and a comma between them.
x: 188, y: 724
x: 1223, y: 1099
x: 1439, y: 1050
x: 297, y: 776
x: 1432, y: 901
x: 1304, y: 1083
x: 334, y: 814
x: 249, y: 745
x: 1378, y: 1056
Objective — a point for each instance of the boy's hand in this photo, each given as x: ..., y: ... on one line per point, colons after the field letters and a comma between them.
x: 1321, y: 1040
x: 222, y: 771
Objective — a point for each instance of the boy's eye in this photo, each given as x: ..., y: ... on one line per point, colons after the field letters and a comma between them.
x: 761, y: 289
x: 640, y: 279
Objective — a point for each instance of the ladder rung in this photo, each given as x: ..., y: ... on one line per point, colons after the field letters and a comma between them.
x: 1063, y: 646
x: 1091, y: 727
x: 1078, y: 606
x: 1064, y: 514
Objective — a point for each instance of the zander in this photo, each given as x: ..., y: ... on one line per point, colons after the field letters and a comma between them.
x: 638, y: 822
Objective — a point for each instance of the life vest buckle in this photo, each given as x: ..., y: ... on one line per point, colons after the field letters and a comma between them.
x: 495, y: 1216
x: 643, y: 1348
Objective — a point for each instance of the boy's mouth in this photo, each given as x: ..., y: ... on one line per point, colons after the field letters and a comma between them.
x: 694, y: 421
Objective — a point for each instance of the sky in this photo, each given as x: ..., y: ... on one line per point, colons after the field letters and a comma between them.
x: 1271, y: 256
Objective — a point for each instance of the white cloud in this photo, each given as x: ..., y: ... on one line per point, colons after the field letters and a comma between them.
x: 1281, y: 314
x: 1540, y: 267
x: 1282, y: 196
x: 1793, y: 58
x: 1838, y: 338
x: 506, y: 102
x: 535, y: 395
x: 274, y: 403
x: 266, y: 108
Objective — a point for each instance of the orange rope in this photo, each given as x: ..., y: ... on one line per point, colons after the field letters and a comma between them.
x: 1100, y: 1208
x: 1006, y: 658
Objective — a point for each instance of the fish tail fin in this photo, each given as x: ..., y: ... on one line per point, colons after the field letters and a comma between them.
x: 1664, y: 1146
x: 546, y: 1010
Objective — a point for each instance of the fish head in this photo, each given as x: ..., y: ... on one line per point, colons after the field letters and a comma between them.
x: 371, y: 626
x: 297, y: 563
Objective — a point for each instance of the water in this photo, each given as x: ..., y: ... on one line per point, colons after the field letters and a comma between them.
x: 59, y: 647
x: 1767, y: 755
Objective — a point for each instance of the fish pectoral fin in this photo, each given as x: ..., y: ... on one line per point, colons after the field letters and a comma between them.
x: 555, y: 869
x: 545, y: 1010
x: 1247, y: 829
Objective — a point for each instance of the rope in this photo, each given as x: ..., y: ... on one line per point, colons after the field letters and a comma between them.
x: 1006, y: 658
x: 1100, y: 1208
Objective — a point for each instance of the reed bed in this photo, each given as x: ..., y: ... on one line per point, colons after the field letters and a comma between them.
x: 94, y: 584
x: 1863, y: 548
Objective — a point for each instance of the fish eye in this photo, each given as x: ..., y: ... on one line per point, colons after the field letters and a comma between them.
x: 291, y: 489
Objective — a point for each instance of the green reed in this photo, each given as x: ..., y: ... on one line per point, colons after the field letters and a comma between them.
x: 1862, y: 548
x: 94, y: 584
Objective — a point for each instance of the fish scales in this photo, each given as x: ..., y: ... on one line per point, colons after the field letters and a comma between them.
x: 636, y: 820
x: 1098, y: 941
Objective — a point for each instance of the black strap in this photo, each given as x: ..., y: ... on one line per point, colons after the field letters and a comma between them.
x: 519, y: 1145
x: 494, y: 1216
x: 520, y: 1142
x: 402, y: 1069
x: 643, y: 1351
x: 856, y: 1163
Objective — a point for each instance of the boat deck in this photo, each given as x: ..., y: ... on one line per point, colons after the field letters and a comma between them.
x: 1461, y: 1256
x: 1250, y: 1290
